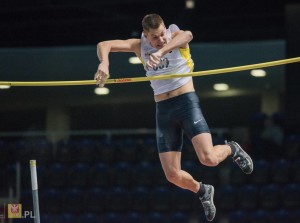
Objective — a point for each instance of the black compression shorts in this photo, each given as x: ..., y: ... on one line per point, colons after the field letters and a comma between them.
x: 175, y: 116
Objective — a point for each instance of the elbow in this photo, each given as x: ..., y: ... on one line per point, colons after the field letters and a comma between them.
x: 101, y: 44
x: 105, y: 43
x: 189, y: 36
x: 104, y: 46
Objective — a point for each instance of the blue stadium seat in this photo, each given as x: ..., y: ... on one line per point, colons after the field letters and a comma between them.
x: 100, y: 175
x: 95, y: 199
x: 160, y: 199
x: 281, y: 171
x: 238, y: 177
x: 74, y: 200
x: 127, y: 150
x: 248, y: 197
x: 26, y: 199
x: 10, y: 175
x: 23, y: 151
x: 78, y: 175
x: 238, y: 216
x: 148, y: 150
x: 179, y: 217
x: 51, y: 200
x: 84, y: 151
x: 295, y: 215
x: 42, y: 150
x: 202, y: 217
x: 226, y: 198
x: 106, y: 152
x: 67, y: 218
x: 5, y: 151
x: 112, y: 217
x: 257, y: 121
x: 269, y: 197
x: 291, y: 147
x: 157, y: 217
x: 48, y: 218
x: 140, y: 198
x: 192, y: 167
x: 280, y: 216
x: 64, y: 152
x: 210, y: 175
x: 295, y: 171
x: 121, y: 174
x: 262, y: 172
x: 55, y: 175
x: 184, y: 200
x: 117, y: 199
x: 89, y: 217
x: 259, y: 216
x: 189, y: 153
x: 143, y: 173
x: 159, y: 175
x: 133, y: 217
x: 290, y: 196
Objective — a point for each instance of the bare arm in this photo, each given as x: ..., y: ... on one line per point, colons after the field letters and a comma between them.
x: 105, y: 47
x: 180, y: 39
x: 103, y: 50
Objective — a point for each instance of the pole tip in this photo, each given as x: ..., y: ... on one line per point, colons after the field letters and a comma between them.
x: 32, y: 162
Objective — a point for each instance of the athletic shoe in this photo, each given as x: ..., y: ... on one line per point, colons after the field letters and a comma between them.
x: 242, y: 159
x: 207, y: 202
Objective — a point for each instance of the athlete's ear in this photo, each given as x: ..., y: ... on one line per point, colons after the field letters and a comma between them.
x: 145, y: 34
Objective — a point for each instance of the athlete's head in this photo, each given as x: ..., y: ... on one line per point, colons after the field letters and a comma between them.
x: 154, y: 30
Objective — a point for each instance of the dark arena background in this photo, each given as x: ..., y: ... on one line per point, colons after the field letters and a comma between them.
x: 96, y: 155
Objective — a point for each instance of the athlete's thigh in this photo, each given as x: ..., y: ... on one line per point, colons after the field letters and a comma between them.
x: 203, y: 145
x: 193, y: 120
x: 169, y: 133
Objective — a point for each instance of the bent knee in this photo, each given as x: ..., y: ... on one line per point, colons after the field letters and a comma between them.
x: 172, y: 176
x: 209, y: 160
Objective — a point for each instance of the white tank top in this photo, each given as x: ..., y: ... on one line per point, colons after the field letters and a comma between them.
x: 178, y: 61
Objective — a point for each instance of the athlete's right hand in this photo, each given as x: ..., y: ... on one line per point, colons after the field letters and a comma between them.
x: 154, y: 60
x: 102, y: 74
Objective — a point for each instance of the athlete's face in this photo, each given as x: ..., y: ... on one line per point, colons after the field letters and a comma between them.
x: 157, y: 37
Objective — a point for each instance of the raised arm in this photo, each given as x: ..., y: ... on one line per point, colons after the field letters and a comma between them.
x: 103, y: 50
x: 180, y: 39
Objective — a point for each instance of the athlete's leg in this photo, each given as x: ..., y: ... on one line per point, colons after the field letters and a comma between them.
x: 170, y: 162
x: 208, y: 154
x: 171, y: 165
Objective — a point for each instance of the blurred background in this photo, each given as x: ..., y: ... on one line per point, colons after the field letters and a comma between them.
x: 96, y: 154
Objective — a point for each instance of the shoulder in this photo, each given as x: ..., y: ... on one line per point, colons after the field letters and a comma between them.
x: 134, y: 43
x: 173, y: 28
x: 136, y: 46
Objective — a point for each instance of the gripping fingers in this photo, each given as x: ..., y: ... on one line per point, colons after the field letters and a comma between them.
x: 101, y: 78
x: 153, y: 61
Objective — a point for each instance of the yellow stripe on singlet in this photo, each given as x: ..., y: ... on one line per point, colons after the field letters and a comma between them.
x: 185, y: 53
